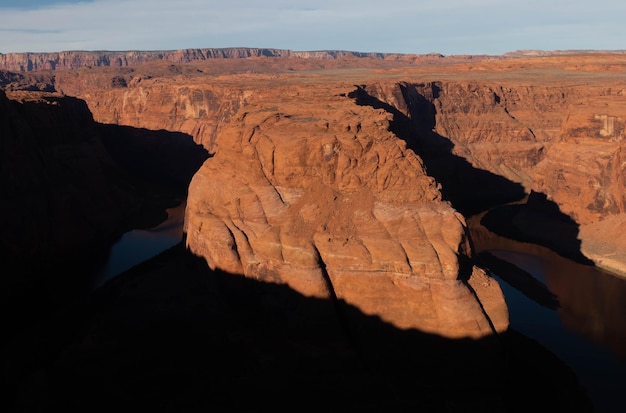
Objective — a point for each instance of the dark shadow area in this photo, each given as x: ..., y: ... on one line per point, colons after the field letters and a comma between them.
x: 469, y: 190
x: 472, y: 190
x: 39, y: 82
x: 172, y: 335
x: 519, y: 279
x: 161, y: 157
x: 68, y: 191
x: 587, y: 328
x: 538, y: 221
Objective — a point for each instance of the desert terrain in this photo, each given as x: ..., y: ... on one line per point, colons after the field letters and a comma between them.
x: 326, y: 247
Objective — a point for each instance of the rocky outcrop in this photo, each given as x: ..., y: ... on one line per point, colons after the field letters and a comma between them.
x: 563, y: 141
x: 487, y: 140
x: 321, y: 197
x: 329, y: 255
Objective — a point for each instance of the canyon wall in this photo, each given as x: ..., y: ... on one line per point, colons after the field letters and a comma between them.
x: 563, y: 141
x: 348, y: 186
x: 53, y: 164
x: 66, y: 194
x: 316, y: 193
x: 310, y: 157
x: 507, y: 128
x: 75, y: 59
x: 538, y: 136
x: 63, y: 201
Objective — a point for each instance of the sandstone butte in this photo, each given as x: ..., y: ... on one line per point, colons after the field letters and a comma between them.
x: 351, y: 177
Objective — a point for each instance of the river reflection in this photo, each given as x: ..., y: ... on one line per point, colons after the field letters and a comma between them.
x: 139, y: 245
x: 588, y: 327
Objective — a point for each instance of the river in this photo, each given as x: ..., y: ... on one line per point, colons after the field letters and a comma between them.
x: 586, y: 329
x: 140, y: 245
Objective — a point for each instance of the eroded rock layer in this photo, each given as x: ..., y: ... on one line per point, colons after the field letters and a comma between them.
x: 552, y: 125
x: 311, y: 177
x: 564, y: 141
x: 346, y: 183
x: 310, y: 190
x: 27, y: 62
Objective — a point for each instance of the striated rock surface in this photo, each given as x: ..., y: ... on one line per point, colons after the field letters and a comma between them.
x: 474, y: 123
x: 584, y: 173
x: 74, y: 59
x: 554, y: 137
x: 326, y: 254
x: 309, y: 190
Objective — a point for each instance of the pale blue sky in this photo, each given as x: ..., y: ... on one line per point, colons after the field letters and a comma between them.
x: 443, y: 26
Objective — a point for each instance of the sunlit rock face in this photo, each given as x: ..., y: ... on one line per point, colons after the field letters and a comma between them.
x: 557, y: 131
x: 552, y: 124
x: 562, y: 140
x: 308, y: 189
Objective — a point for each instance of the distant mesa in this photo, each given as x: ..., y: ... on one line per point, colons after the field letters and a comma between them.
x: 32, y: 61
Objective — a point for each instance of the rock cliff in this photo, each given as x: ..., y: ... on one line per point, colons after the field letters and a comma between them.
x: 312, y: 191
x: 27, y: 62
x: 564, y: 141
x: 308, y: 189
x: 325, y: 235
x: 533, y: 121
x: 53, y: 163
x: 486, y: 138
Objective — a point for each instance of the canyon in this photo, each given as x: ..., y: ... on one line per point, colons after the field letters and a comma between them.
x: 325, y: 226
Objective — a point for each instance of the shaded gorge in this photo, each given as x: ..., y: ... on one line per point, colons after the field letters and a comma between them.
x: 140, y: 245
x: 575, y: 310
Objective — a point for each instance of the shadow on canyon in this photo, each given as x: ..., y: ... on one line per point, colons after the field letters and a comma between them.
x: 538, y: 221
x: 70, y: 188
x: 512, y: 212
x: 519, y: 279
x: 172, y: 335
x: 163, y: 158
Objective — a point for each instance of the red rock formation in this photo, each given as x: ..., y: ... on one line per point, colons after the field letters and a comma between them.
x: 564, y: 140
x: 584, y: 172
x: 316, y: 159
x: 312, y: 191
x: 331, y: 175
x: 27, y: 62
